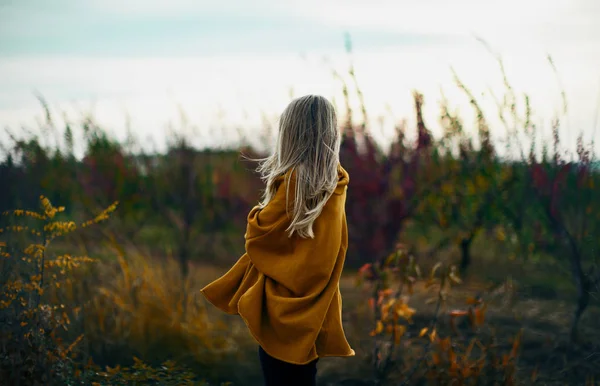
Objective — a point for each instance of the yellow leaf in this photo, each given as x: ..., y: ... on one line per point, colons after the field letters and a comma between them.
x: 433, y: 335
x: 423, y: 332
x: 386, y: 292
x: 399, y: 331
x: 378, y: 329
x: 404, y: 311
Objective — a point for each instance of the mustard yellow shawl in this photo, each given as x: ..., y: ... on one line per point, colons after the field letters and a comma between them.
x: 286, y: 289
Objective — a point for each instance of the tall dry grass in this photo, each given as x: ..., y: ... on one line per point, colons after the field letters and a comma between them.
x: 138, y: 306
x: 70, y: 319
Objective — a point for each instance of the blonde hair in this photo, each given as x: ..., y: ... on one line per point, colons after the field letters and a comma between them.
x: 308, y: 144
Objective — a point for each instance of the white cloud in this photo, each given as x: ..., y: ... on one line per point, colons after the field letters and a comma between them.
x: 514, y: 20
x: 179, y: 8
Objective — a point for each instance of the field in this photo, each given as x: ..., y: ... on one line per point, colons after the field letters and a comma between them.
x: 464, y: 266
x: 545, y: 345
x: 219, y: 346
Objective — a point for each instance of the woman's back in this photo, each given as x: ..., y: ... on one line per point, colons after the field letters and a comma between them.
x: 286, y: 286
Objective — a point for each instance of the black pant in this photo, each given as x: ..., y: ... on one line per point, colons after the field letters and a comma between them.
x: 279, y: 373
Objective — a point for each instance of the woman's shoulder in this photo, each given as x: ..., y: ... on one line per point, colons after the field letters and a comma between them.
x: 287, y: 178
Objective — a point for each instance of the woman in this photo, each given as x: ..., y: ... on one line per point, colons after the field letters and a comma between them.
x: 286, y: 286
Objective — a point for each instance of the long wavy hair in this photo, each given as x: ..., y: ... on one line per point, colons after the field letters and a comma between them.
x: 308, y: 144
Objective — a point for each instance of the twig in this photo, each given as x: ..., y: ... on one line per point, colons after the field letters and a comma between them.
x: 432, y: 325
x: 388, y: 359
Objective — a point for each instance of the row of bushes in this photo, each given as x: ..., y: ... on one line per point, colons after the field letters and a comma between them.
x: 61, y: 314
x: 540, y: 202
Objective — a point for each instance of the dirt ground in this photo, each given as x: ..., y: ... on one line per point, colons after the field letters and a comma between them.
x: 545, y: 348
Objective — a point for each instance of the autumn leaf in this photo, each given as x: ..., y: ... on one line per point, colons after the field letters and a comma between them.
x: 466, y: 372
x: 365, y: 269
x: 480, y: 315
x: 378, y: 329
x: 423, y: 332
x: 403, y: 310
x: 389, y: 329
x: 453, y: 359
x: 399, y: 331
x: 445, y: 344
x: 386, y: 292
x: 456, y: 313
x: 391, y: 302
x: 433, y: 335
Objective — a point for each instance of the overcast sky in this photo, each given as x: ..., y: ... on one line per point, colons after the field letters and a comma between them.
x: 233, y: 60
